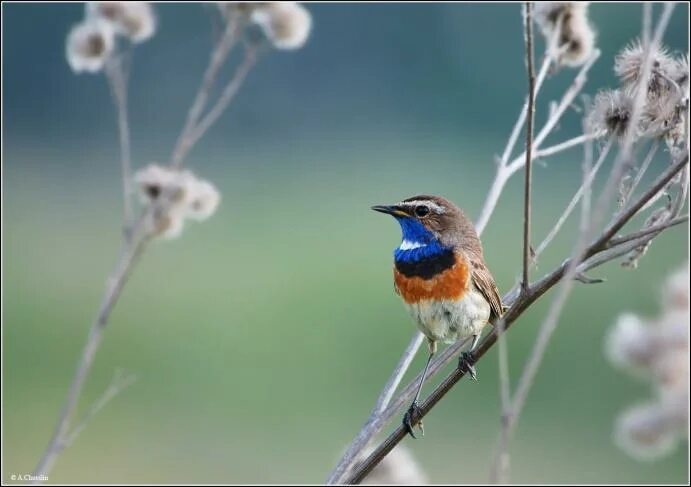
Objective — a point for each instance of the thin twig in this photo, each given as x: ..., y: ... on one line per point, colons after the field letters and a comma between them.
x: 218, y: 58
x: 616, y: 241
x: 528, y: 21
x: 516, y: 131
x: 641, y: 172
x: 518, y: 304
x: 117, y: 79
x: 132, y: 249
x: 118, y: 384
x: 504, y: 172
x: 224, y: 100
x: 574, y: 201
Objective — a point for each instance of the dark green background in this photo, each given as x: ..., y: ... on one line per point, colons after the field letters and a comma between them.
x: 262, y: 337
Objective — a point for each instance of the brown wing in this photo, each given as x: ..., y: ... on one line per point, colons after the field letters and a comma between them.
x: 484, y: 282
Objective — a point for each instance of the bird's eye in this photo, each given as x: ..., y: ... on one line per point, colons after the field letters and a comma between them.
x: 421, y: 211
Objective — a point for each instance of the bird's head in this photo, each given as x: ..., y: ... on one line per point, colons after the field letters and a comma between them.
x: 431, y: 224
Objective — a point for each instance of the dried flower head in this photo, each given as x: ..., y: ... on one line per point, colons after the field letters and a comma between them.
x: 398, y: 468
x: 630, y: 344
x: 576, y: 41
x: 570, y: 38
x: 178, y: 195
x: 645, y: 432
x: 664, y: 117
x: 286, y: 25
x: 134, y: 20
x: 548, y: 15
x: 88, y: 46
x: 611, y: 113
x: 203, y: 200
x: 628, y: 66
x: 660, y: 347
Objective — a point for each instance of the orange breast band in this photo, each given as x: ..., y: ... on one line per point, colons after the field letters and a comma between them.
x: 449, y: 284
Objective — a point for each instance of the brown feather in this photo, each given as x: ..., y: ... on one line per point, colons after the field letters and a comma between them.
x: 484, y: 282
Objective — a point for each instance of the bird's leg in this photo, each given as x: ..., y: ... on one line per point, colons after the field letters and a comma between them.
x: 466, y: 360
x: 414, y: 414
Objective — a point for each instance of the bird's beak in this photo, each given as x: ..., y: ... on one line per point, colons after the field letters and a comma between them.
x: 390, y: 210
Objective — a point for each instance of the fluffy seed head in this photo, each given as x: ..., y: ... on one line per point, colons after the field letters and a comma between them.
x: 286, y: 25
x: 548, y: 15
x: 628, y: 66
x: 576, y: 40
x: 202, y: 201
x: 611, y: 113
x: 630, y: 344
x: 178, y: 195
x: 645, y: 432
x: 664, y: 117
x: 134, y: 20
x: 88, y: 46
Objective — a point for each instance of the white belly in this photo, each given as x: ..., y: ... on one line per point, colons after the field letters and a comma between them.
x: 448, y: 321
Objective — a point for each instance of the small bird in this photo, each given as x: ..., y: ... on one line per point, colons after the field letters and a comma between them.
x: 440, y: 273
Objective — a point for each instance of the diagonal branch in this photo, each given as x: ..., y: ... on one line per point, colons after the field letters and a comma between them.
x: 519, y: 303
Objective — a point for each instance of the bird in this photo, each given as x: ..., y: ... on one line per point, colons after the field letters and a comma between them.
x: 440, y: 274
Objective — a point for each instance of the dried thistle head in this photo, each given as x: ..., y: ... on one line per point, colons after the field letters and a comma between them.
x: 664, y: 117
x: 548, y: 15
x: 645, y: 432
x: 89, y: 45
x: 660, y: 348
x: 134, y: 20
x: 202, y: 201
x: 570, y: 38
x: 286, y: 25
x: 628, y: 66
x: 175, y: 195
x: 610, y: 113
x: 573, y: 44
x: 631, y: 345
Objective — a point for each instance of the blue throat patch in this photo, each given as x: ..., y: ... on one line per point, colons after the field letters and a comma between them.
x: 415, y: 233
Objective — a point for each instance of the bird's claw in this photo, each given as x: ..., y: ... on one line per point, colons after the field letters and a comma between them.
x: 413, y: 417
x: 465, y: 363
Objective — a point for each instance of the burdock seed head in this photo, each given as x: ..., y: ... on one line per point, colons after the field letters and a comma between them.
x: 611, y: 113
x: 628, y: 66
x: 286, y: 25
x: 88, y: 46
x: 134, y: 20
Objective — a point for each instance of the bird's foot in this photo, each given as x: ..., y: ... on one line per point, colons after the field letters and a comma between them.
x: 413, y: 417
x: 465, y: 364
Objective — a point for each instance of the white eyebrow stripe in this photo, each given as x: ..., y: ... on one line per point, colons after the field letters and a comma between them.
x: 408, y: 245
x: 433, y: 206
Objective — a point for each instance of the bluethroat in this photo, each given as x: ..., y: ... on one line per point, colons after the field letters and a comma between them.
x: 440, y: 273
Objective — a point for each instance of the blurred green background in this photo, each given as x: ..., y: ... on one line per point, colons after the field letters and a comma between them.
x: 261, y: 338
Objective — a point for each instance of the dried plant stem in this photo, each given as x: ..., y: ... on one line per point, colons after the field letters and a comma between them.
x: 119, y: 383
x: 528, y: 21
x: 505, y: 171
x: 518, y: 304
x: 132, y: 249
x: 575, y: 200
x: 117, y: 79
x: 226, y: 97
x: 641, y: 171
x: 218, y: 58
